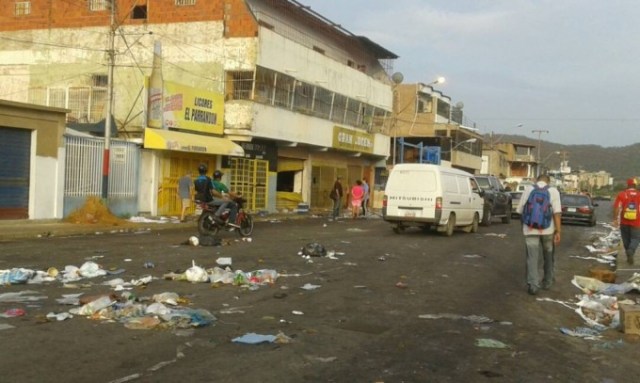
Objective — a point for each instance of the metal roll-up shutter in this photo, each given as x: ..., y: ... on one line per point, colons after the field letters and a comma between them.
x: 15, y: 146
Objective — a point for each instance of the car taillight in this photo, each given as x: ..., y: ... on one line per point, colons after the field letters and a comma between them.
x: 439, y: 203
x: 584, y: 209
x: 384, y: 201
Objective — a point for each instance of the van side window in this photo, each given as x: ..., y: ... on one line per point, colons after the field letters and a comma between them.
x: 463, y: 185
x: 449, y: 183
x: 474, y: 185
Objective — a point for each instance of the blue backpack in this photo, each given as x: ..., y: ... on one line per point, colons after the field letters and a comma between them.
x: 537, y: 213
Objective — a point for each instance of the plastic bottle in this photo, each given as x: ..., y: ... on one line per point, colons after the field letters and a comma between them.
x: 156, y: 87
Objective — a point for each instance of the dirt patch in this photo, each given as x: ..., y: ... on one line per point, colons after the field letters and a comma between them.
x: 93, y: 211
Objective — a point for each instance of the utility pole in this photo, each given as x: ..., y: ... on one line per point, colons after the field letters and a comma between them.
x: 539, y: 144
x: 106, y: 158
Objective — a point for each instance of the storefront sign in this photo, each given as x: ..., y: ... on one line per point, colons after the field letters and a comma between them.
x: 188, y: 108
x: 352, y: 140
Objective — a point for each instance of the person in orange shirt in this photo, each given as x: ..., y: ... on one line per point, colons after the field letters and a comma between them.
x: 625, y: 216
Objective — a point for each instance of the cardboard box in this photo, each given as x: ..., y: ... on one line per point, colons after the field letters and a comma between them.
x: 602, y: 274
x: 630, y: 319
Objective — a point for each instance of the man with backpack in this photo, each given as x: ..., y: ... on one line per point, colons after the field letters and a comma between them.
x: 541, y: 212
x: 625, y: 215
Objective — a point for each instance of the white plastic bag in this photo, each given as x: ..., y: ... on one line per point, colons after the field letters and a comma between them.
x: 196, y: 273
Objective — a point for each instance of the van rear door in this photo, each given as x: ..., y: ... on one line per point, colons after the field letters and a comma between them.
x: 411, y: 193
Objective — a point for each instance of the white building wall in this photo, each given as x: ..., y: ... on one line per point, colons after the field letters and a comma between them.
x: 280, y: 54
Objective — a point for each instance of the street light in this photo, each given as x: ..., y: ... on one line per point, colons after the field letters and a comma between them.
x: 539, y: 144
x: 439, y: 80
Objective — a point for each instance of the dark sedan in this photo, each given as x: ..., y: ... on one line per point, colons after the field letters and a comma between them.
x: 578, y: 208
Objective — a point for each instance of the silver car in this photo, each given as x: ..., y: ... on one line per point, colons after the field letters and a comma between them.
x: 515, y: 200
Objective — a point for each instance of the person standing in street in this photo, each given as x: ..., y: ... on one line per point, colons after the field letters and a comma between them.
x: 336, y: 195
x: 365, y: 198
x: 541, y: 211
x: 625, y: 216
x: 357, y: 195
x: 184, y: 192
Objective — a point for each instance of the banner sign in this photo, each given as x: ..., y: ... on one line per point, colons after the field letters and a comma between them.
x: 352, y: 140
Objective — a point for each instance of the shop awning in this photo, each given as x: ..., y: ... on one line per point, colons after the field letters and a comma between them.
x: 192, y: 143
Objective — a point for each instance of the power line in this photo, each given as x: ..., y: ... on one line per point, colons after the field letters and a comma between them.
x: 51, y: 44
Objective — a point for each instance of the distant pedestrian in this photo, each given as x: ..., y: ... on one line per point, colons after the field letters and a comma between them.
x: 336, y: 195
x: 625, y: 215
x: 357, y: 195
x: 184, y: 192
x: 540, y: 238
x: 365, y: 198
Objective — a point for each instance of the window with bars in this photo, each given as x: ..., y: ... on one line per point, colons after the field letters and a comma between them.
x: 23, y: 8
x: 87, y: 104
x: 185, y: 2
x: 239, y: 85
x: 98, y: 5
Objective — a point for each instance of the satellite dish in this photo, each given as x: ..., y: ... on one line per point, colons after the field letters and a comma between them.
x: 459, y: 104
x: 397, y: 78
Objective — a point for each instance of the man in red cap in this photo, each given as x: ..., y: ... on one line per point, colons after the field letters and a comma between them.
x: 625, y: 215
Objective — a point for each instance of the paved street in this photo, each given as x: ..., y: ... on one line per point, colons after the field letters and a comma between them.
x: 415, y: 307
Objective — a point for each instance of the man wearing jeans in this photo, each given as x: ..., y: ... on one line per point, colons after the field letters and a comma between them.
x: 541, y: 241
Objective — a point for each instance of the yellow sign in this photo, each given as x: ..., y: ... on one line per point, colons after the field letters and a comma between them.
x: 352, y: 140
x: 188, y: 108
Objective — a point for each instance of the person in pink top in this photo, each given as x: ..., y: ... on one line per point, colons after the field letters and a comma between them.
x: 357, y: 193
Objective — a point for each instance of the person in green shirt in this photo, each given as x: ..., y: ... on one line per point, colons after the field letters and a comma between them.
x: 223, y: 196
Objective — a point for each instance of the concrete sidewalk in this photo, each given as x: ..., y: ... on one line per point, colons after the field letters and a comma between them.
x: 25, y: 229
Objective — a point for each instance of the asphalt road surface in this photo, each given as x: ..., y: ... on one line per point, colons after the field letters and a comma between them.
x: 413, y: 307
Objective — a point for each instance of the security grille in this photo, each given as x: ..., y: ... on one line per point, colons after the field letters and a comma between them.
x: 98, y: 5
x: 87, y: 103
x: 250, y: 177
x: 185, y: 2
x: 23, y: 8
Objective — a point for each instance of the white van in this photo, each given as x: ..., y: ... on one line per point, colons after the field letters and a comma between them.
x: 428, y: 196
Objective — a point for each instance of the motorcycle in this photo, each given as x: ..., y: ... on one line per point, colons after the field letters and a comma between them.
x: 207, y: 224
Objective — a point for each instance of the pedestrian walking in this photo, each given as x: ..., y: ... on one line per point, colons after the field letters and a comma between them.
x: 184, y: 192
x: 357, y: 194
x: 540, y: 211
x: 365, y: 198
x: 336, y: 195
x: 625, y: 216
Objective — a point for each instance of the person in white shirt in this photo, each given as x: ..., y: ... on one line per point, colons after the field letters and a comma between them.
x: 541, y: 241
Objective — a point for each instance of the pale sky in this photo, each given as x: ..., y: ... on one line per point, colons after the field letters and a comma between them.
x: 571, y: 67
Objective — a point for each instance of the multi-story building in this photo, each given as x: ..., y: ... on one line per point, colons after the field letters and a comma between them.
x: 277, y: 96
x: 426, y: 124
x: 511, y: 161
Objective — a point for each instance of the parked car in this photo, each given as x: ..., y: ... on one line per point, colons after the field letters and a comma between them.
x: 431, y: 196
x: 497, y: 201
x: 515, y: 200
x: 578, y: 208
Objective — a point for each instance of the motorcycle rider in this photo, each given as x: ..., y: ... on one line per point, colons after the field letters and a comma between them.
x: 225, y: 197
x: 203, y: 185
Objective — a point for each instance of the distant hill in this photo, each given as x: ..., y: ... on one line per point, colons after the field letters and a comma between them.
x: 622, y: 162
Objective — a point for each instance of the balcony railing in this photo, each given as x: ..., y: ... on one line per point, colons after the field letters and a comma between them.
x: 524, y: 158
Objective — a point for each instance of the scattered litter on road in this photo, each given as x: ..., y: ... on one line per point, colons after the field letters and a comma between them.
x: 309, y: 286
x: 253, y: 338
x: 470, y: 318
x: 321, y: 359
x: 313, y: 249
x: 223, y: 262
x: 496, y: 235
x: 12, y: 313
x: 402, y: 285
x: 582, y: 332
x: 592, y: 285
x: 4, y: 326
x: 196, y: 273
x: 149, y: 265
x: 490, y: 343
x: 296, y: 312
x: 473, y: 256
x: 21, y: 297
x: 58, y: 317
x: 70, y: 299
